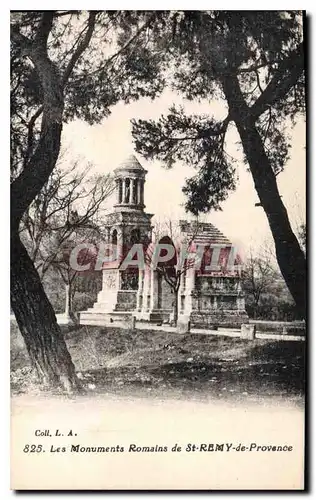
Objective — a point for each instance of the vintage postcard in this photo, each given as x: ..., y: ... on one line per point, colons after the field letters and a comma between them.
x: 158, y: 247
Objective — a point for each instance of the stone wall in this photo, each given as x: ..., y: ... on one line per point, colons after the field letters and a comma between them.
x: 211, y: 319
x: 126, y: 300
x: 165, y: 295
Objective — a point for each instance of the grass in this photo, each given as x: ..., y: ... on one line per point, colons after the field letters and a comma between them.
x: 147, y: 363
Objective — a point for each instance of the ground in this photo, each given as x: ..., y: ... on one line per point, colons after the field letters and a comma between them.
x: 145, y: 363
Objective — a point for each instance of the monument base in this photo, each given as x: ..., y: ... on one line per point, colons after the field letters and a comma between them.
x: 112, y: 319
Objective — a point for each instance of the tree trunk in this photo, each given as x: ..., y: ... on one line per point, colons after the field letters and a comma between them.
x: 68, y: 300
x: 255, y: 309
x: 289, y: 254
x: 175, y: 307
x: 37, y: 323
x: 34, y: 314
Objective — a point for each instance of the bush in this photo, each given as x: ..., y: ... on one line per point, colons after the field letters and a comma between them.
x: 83, y: 301
x: 273, y: 311
x: 83, y: 298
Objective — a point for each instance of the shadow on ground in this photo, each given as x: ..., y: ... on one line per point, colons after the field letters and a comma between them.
x: 149, y: 363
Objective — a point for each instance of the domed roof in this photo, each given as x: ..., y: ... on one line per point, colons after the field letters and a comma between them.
x: 131, y: 163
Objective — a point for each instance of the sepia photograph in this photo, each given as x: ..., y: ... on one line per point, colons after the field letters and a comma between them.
x: 158, y: 250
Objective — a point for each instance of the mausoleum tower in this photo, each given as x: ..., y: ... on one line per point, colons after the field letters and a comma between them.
x: 130, y: 180
x: 126, y: 226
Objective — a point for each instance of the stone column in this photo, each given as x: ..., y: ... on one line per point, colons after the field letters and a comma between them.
x: 117, y: 187
x: 139, y: 187
x: 139, y: 297
x: 141, y: 201
x: 240, y: 304
x: 146, y: 293
x: 134, y: 191
x: 123, y: 190
x: 127, y: 190
x: 215, y: 302
x: 153, y: 290
x: 181, y: 293
x: 190, y: 285
x: 120, y: 190
x: 120, y: 241
x: 131, y: 188
x: 142, y: 293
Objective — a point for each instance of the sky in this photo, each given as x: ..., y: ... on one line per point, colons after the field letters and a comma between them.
x: 107, y: 144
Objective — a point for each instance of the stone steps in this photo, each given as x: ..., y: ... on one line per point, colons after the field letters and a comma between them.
x: 104, y: 319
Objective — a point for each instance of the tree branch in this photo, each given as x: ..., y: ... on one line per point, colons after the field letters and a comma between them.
x: 41, y: 163
x: 81, y: 47
x: 289, y: 71
x: 122, y: 49
x: 30, y: 135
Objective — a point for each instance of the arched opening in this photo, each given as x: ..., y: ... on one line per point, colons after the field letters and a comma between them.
x: 166, y: 276
x: 114, y: 237
x: 135, y: 236
x: 172, y: 262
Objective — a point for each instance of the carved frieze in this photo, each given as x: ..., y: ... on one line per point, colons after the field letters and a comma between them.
x: 109, y: 280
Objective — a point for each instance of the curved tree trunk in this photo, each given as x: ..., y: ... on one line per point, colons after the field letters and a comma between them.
x: 289, y: 254
x: 37, y: 323
x: 33, y: 311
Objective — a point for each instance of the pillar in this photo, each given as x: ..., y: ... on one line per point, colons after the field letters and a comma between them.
x: 147, y: 288
x: 119, y: 189
x: 117, y: 182
x: 139, y: 297
x: 127, y: 195
x: 139, y: 187
x: 131, y: 189
x: 153, y: 290
x: 190, y: 285
x: 141, y: 201
x: 134, y: 195
x: 123, y: 190
x: 240, y: 304
x: 181, y: 296
x: 127, y: 190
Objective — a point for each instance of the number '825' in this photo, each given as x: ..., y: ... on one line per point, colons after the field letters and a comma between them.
x: 33, y: 448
